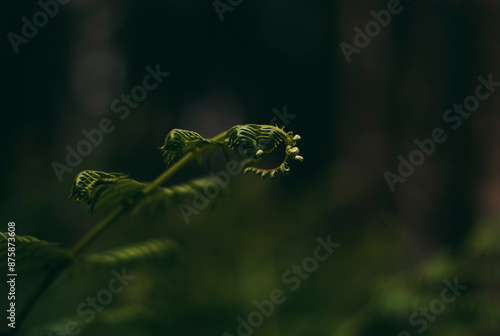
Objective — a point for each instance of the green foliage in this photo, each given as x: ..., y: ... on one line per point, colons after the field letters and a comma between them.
x: 150, y: 249
x: 394, y: 298
x: 32, y: 253
x: 109, y: 317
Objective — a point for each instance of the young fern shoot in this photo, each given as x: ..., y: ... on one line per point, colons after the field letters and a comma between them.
x: 125, y: 196
x: 250, y: 142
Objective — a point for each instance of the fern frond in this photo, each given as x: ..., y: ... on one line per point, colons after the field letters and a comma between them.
x: 160, y: 198
x: 179, y: 141
x: 100, y: 189
x: 250, y: 142
x: 87, y: 180
x: 32, y: 253
x: 127, y: 192
x: 154, y: 248
x: 122, y: 191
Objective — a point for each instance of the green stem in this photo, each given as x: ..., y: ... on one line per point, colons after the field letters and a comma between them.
x: 104, y: 223
x: 180, y: 164
x: 101, y: 226
x: 33, y: 300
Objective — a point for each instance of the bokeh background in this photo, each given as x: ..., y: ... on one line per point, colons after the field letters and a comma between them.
x: 355, y: 119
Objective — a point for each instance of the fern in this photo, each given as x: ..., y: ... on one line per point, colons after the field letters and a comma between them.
x: 32, y: 253
x: 101, y: 190
x: 124, y: 191
x: 259, y: 140
x: 250, y: 141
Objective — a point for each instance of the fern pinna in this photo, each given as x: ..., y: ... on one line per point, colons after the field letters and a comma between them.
x: 121, y: 196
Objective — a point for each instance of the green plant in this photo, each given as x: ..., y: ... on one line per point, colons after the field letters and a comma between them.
x: 120, y: 196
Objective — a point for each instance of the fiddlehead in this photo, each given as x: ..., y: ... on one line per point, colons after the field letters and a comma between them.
x: 259, y: 140
x: 180, y: 141
x: 87, y: 180
x: 251, y: 142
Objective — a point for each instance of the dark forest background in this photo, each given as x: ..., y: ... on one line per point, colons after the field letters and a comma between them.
x: 355, y: 119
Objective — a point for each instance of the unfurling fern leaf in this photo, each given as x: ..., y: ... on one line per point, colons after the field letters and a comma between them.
x: 154, y: 248
x: 32, y: 253
x: 259, y: 140
x: 127, y: 192
x: 270, y: 137
x: 250, y: 142
x: 243, y: 138
x: 180, y: 141
x: 86, y: 182
x: 100, y: 189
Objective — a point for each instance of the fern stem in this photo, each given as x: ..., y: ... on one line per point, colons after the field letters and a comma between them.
x: 107, y: 221
x: 180, y: 164
x: 33, y: 300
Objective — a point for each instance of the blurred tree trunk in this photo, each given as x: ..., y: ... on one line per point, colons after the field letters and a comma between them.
x: 394, y: 92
